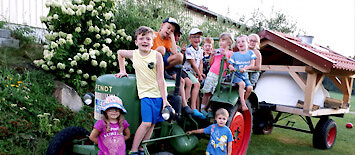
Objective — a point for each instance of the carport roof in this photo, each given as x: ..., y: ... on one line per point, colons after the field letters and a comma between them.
x: 321, y: 56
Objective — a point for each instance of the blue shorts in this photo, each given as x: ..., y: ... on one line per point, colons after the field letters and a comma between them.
x: 150, y: 110
x: 254, y: 76
x: 165, y: 58
x: 246, y: 81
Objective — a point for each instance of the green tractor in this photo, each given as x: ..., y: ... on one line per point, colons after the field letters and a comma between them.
x: 74, y: 140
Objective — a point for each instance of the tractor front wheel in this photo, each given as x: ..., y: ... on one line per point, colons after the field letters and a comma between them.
x: 324, y: 134
x: 240, y: 123
x: 62, y: 142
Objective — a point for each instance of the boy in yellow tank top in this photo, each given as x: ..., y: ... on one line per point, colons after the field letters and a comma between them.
x: 149, y: 69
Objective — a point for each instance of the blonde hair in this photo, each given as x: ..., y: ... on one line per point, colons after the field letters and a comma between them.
x: 257, y: 40
x: 228, y: 36
x: 222, y: 111
x: 120, y: 120
x: 208, y: 40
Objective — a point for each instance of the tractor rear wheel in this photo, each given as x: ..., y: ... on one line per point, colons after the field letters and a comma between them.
x: 324, y: 134
x: 62, y: 143
x: 240, y: 123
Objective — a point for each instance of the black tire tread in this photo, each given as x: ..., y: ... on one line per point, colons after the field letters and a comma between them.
x: 321, y: 132
x: 62, y: 137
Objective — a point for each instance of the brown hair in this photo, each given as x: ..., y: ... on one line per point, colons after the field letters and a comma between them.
x: 143, y: 30
x: 120, y: 120
x: 208, y: 40
x: 222, y: 111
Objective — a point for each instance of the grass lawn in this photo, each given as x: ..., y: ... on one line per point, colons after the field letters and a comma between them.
x: 286, y: 142
x: 283, y: 141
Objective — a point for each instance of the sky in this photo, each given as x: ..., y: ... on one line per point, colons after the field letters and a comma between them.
x: 331, y: 22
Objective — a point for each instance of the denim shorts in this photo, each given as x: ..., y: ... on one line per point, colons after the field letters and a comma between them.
x: 254, y: 77
x: 150, y: 110
x: 246, y: 81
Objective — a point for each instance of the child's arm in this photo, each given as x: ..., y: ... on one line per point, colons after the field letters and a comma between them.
x: 201, y: 70
x: 161, y: 80
x: 257, y: 60
x: 229, y: 148
x: 195, y: 131
x: 94, y: 136
x: 250, y: 66
x: 127, y: 133
x: 231, y: 68
x: 121, y: 55
x: 173, y: 48
x: 193, y: 65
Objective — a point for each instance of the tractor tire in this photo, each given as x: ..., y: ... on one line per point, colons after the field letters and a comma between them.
x: 263, y: 122
x: 324, y: 134
x: 240, y: 123
x: 62, y: 142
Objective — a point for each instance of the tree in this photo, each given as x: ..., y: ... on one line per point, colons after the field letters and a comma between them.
x: 258, y: 22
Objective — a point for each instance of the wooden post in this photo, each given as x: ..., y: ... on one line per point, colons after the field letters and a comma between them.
x: 309, y: 92
x: 300, y: 81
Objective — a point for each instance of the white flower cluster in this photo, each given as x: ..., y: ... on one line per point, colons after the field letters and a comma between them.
x: 87, y: 43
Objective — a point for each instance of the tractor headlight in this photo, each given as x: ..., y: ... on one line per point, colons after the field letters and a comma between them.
x: 88, y: 98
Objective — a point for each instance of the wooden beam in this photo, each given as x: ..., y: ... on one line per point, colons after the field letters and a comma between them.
x: 320, y: 78
x: 283, y: 68
x: 346, y: 84
x: 319, y: 112
x: 296, y: 56
x: 300, y: 81
x: 309, y: 92
x: 336, y: 81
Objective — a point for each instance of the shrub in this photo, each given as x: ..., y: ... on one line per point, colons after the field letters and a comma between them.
x: 83, y: 40
x: 29, y: 113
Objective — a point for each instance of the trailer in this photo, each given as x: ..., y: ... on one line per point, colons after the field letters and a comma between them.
x: 291, y: 84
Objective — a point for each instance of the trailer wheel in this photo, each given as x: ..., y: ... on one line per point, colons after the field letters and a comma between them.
x: 240, y: 123
x: 324, y: 134
x: 263, y: 122
x: 62, y: 143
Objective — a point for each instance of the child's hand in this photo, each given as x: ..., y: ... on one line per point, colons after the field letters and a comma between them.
x: 189, y: 132
x: 203, y: 76
x: 200, y: 78
x: 183, y: 47
x: 171, y: 35
x: 231, y: 68
x: 244, y: 107
x: 242, y: 70
x: 121, y: 74
x: 165, y: 103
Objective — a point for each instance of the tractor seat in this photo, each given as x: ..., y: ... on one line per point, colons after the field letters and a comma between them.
x: 228, y: 83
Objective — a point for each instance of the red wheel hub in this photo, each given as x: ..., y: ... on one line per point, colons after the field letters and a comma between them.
x: 331, y: 136
x: 241, y: 129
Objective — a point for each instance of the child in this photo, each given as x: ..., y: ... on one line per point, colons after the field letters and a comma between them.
x: 111, y: 132
x: 192, y: 67
x: 241, y: 61
x: 164, y: 42
x: 207, y: 50
x: 220, y: 135
x: 254, y: 42
x: 148, y: 65
x: 225, y: 45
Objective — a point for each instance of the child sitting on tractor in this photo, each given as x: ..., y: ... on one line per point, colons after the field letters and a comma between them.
x: 241, y: 61
x: 149, y: 69
x: 211, y: 81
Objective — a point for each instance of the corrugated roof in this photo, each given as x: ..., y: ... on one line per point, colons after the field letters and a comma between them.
x: 316, y: 52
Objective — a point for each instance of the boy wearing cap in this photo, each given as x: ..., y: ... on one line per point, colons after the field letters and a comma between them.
x: 148, y: 65
x: 164, y: 42
x: 193, y: 67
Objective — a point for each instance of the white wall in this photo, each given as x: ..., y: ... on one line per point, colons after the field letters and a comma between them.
x: 24, y: 12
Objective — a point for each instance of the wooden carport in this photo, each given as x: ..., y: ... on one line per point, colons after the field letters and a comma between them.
x: 283, y: 52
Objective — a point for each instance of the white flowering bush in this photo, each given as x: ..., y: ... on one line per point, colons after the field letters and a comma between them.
x: 83, y: 40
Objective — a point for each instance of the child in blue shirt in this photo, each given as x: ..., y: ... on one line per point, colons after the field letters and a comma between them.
x: 220, y: 135
x: 241, y: 61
